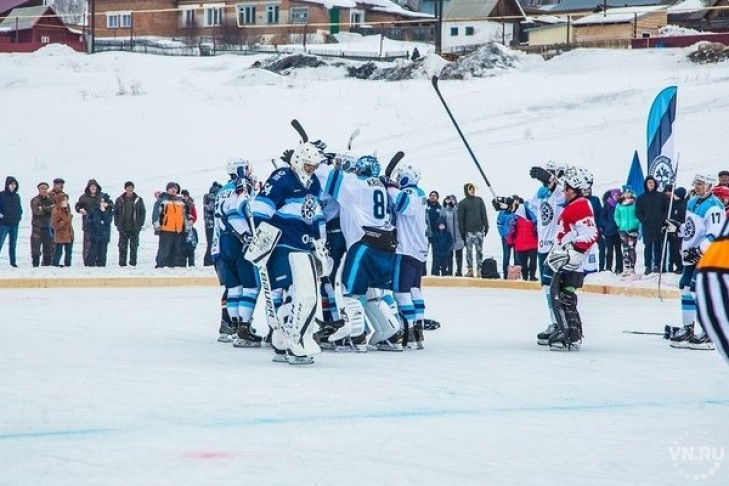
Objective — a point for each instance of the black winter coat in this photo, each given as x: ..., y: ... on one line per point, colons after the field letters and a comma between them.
x: 138, y: 215
x: 651, y: 209
x: 472, y: 216
x: 10, y: 206
x: 89, y: 202
x: 98, y: 224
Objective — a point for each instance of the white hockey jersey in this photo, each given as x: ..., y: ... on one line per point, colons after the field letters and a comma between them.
x: 548, y: 206
x: 231, y: 210
x: 362, y: 201
x: 411, y: 220
x: 704, y: 219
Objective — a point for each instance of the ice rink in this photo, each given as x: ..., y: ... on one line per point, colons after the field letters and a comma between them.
x: 130, y: 387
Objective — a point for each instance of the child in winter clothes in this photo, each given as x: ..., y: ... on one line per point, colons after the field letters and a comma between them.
x: 188, y: 247
x: 99, y: 222
x: 61, y: 217
x: 504, y: 224
x: 523, y: 236
x: 442, y: 242
x: 628, y: 226
x: 609, y: 229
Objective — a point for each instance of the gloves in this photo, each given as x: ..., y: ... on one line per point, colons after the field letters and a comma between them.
x: 671, y: 226
x: 541, y: 174
x: 387, y: 182
x: 501, y: 203
x: 286, y: 157
x: 692, y: 255
x: 567, y: 258
x: 324, y: 262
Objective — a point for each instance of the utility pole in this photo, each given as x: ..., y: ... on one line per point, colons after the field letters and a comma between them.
x: 439, y: 27
x: 93, y: 26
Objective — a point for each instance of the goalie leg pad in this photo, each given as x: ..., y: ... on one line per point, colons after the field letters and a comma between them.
x: 301, y: 324
x: 383, y: 320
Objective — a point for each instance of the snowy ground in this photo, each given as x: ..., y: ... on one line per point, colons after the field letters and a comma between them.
x: 140, y: 393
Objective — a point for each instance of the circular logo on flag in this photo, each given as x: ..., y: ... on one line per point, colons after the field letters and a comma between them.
x: 662, y: 171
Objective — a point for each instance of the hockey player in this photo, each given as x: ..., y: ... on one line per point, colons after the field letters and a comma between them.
x: 231, y: 235
x: 371, y: 242
x: 289, y: 202
x: 409, y: 207
x: 704, y: 219
x: 712, y: 287
x: 576, y: 233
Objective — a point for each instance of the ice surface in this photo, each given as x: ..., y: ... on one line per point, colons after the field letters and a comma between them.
x: 129, y: 387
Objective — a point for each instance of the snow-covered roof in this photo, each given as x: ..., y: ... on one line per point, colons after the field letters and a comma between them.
x: 618, y: 15
x: 391, y: 7
x: 691, y: 9
x: 329, y: 4
x: 545, y: 19
x: 23, y: 18
x: 592, y: 5
x: 465, y: 9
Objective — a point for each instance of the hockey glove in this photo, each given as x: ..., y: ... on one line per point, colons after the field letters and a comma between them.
x: 320, y: 145
x: 671, y: 226
x: 286, y: 157
x: 566, y: 258
x: 501, y: 203
x: 692, y: 255
x: 541, y: 174
x: 387, y: 182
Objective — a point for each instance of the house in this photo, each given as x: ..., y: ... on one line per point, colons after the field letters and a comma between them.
x: 27, y: 29
x: 689, y: 14
x: 548, y: 30
x: 466, y: 23
x: 579, y: 8
x: 243, y: 21
x: 621, y: 24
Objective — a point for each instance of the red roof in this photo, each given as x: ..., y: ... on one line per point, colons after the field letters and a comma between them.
x: 7, y: 5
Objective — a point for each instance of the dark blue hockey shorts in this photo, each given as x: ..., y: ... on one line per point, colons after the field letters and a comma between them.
x: 365, y: 267
x: 408, y: 273
x: 234, y: 270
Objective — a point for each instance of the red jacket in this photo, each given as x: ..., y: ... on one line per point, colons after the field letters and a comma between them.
x: 523, y: 235
x: 577, y: 225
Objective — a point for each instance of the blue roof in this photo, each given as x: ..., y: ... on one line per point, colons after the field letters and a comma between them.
x: 592, y: 5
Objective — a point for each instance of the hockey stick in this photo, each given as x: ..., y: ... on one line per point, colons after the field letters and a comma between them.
x: 434, y: 81
x: 354, y: 135
x: 645, y: 332
x: 393, y: 163
x: 665, y: 233
x: 300, y: 130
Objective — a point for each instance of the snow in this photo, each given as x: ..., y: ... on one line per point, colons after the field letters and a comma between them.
x: 141, y: 394
x: 189, y: 115
x: 674, y: 30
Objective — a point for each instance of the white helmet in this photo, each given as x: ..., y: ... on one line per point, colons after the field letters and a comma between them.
x: 304, y: 161
x: 577, y: 178
x: 238, y: 167
x: 556, y: 168
x: 407, y: 175
x: 587, y: 175
x: 707, y: 179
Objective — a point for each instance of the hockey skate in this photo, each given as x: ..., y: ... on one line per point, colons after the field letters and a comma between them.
x: 569, y: 340
x: 394, y: 343
x: 543, y: 337
x: 682, y: 338
x: 357, y: 344
x: 225, y: 333
x: 298, y: 360
x: 701, y: 341
x: 245, y: 338
x: 431, y: 324
x: 415, y: 337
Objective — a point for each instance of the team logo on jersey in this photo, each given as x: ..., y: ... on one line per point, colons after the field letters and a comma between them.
x: 266, y: 189
x: 546, y: 214
x: 689, y: 229
x: 662, y: 171
x: 308, y: 208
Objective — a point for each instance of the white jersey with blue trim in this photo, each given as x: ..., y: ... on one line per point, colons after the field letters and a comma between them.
x: 411, y: 219
x: 294, y: 209
x: 231, y: 211
x: 548, y: 206
x: 704, y: 219
x: 362, y: 202
x: 330, y: 206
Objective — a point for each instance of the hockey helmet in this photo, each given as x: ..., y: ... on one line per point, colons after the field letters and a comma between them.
x: 238, y: 167
x: 407, y: 175
x: 367, y: 166
x: 577, y: 178
x: 304, y: 161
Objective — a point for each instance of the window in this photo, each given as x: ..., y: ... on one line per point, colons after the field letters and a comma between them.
x: 356, y: 17
x: 126, y: 20
x: 187, y: 18
x: 246, y: 14
x: 299, y: 15
x: 454, y: 31
x: 272, y: 14
x: 112, y: 20
x: 469, y: 30
x: 213, y: 16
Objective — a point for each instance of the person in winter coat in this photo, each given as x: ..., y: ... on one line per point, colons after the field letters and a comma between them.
x: 523, y: 236
x: 170, y: 219
x: 57, y: 193
x: 474, y: 225
x: 596, y: 209
x: 504, y: 224
x: 722, y: 192
x: 442, y: 242
x: 99, y: 228
x: 61, y: 218
x: 628, y: 224
x: 41, y: 238
x: 674, y: 259
x: 651, y: 209
x: 129, y: 216
x: 208, y: 218
x: 89, y: 200
x: 11, y: 212
x: 611, y: 234
x: 450, y: 215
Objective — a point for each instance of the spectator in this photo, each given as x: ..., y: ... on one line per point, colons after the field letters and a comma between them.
x: 678, y: 213
x: 99, y: 228
x: 504, y: 224
x: 609, y: 229
x: 474, y: 225
x: 722, y: 193
x: 190, y: 202
x: 596, y: 209
x: 41, y: 238
x: 450, y: 214
x: 169, y: 217
x: 188, y: 246
x: 61, y: 217
x: 523, y: 236
x: 208, y: 218
x: 88, y: 201
x: 129, y: 216
x: 442, y: 241
x: 651, y: 210
x: 57, y: 193
x: 416, y: 54
x: 723, y: 178
x: 628, y: 224
x: 10, y: 213
x: 433, y: 211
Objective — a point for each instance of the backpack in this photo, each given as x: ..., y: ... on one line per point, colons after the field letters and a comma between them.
x: 489, y: 268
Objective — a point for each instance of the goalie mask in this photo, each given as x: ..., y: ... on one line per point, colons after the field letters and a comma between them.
x: 367, y: 166
x: 407, y: 175
x: 577, y: 178
x: 304, y: 161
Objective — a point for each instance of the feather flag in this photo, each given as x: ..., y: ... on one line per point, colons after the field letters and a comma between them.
x: 661, y: 160
x: 635, y: 176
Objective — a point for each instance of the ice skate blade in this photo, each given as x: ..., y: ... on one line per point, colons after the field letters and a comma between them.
x: 702, y: 347
x: 279, y: 358
x: 679, y: 344
x: 300, y: 360
x: 565, y: 347
x: 543, y: 342
x: 354, y: 348
x: 415, y: 346
x: 225, y: 338
x: 244, y: 343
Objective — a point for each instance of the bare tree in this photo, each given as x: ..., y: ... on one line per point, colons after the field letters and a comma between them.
x: 72, y: 11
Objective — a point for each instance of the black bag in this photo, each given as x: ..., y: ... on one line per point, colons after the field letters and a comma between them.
x: 489, y: 268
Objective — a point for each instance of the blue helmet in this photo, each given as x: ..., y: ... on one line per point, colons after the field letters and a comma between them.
x: 367, y: 166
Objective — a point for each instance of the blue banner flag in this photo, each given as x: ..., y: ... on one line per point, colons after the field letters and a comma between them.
x: 635, y: 176
x: 661, y: 160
